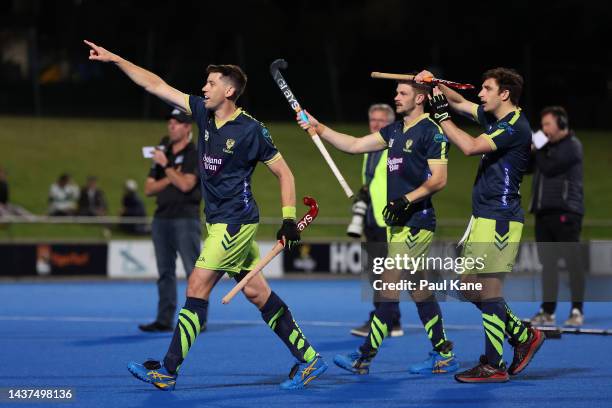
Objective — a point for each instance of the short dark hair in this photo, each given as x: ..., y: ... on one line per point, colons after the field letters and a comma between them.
x: 507, y: 79
x: 419, y: 88
x: 559, y: 113
x: 234, y: 74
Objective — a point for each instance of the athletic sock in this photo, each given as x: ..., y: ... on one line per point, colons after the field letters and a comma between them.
x: 278, y: 316
x: 494, y: 321
x: 431, y: 317
x: 191, y: 318
x: 515, y: 328
x: 382, y: 320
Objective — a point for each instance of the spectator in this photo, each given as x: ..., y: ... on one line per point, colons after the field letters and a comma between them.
x: 92, y: 201
x: 173, y: 180
x: 132, y: 206
x: 558, y: 205
x: 6, y: 208
x: 63, y: 196
x: 4, y: 191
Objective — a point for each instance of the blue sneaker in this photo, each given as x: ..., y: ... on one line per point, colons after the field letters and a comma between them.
x: 436, y: 364
x: 356, y: 362
x: 153, y: 372
x: 303, y: 373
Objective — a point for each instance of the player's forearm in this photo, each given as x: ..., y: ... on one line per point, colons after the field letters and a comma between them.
x: 153, y: 187
x: 184, y: 182
x: 340, y: 141
x: 465, y: 142
x: 140, y: 76
x: 428, y: 188
x: 287, y: 189
x: 454, y: 97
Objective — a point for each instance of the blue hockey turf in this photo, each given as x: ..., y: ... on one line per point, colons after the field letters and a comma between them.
x: 81, y: 335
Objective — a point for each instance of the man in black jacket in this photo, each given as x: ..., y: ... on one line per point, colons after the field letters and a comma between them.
x: 176, y: 229
x: 558, y: 204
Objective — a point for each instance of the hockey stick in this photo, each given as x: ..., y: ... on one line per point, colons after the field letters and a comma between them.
x: 555, y: 332
x: 432, y: 80
x: 275, y: 68
x: 306, y: 220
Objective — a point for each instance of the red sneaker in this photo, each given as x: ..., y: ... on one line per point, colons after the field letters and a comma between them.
x: 483, y: 373
x: 523, y: 353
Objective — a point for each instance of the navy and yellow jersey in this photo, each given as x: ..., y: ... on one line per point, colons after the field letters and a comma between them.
x: 227, y: 154
x: 496, y: 188
x: 411, y: 149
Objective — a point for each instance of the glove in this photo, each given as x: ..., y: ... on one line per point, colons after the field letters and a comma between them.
x: 396, y: 211
x: 363, y: 195
x: 290, y: 233
x: 439, y: 107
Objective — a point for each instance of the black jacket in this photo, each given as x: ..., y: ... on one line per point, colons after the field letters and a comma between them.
x: 557, y: 180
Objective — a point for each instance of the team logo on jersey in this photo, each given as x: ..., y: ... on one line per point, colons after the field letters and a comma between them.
x: 408, y: 146
x: 206, y: 135
x: 439, y: 138
x: 505, y: 126
x: 229, y: 143
x: 266, y: 133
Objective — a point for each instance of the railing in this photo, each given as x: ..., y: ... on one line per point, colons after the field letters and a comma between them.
x: 106, y: 220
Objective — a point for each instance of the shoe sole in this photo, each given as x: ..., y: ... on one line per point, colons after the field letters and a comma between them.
x: 482, y: 380
x: 353, y: 370
x: 315, y: 374
x: 397, y: 333
x: 447, y: 370
x: 532, y: 351
x: 394, y: 333
x: 359, y: 333
x: 148, y: 381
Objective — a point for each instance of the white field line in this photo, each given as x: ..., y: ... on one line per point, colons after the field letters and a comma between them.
x: 316, y: 323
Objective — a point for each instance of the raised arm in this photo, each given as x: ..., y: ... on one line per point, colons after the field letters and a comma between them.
x: 457, y: 102
x: 146, y: 79
x: 346, y: 143
x: 470, y: 146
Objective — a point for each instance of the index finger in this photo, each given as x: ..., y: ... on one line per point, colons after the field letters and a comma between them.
x: 92, y: 45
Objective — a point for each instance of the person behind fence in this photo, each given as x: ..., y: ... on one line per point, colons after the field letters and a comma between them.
x: 6, y: 207
x: 63, y: 196
x: 92, y: 201
x: 173, y: 180
x: 558, y: 205
x: 132, y: 206
x: 373, y: 194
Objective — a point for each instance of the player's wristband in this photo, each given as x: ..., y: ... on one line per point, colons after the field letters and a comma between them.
x: 289, y: 212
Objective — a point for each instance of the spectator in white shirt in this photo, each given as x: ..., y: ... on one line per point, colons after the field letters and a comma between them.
x: 63, y: 196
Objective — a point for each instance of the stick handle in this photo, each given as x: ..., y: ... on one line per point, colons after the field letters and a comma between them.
x: 277, y: 249
x: 397, y: 77
x: 332, y: 165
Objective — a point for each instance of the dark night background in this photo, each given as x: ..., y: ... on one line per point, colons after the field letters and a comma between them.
x: 561, y: 48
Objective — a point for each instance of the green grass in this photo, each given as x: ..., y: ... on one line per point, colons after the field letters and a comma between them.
x: 35, y: 151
